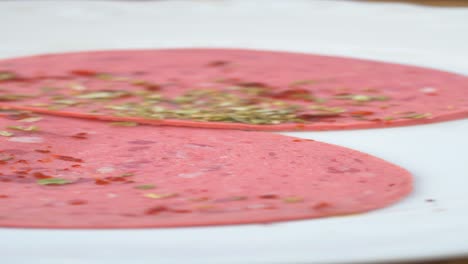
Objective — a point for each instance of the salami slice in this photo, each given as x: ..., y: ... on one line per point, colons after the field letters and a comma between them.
x: 233, y: 89
x: 69, y: 173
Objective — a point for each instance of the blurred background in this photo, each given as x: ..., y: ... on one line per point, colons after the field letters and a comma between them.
x: 450, y: 3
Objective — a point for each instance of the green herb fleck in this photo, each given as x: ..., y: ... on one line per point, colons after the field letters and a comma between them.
x: 26, y: 129
x: 160, y: 196
x: 360, y: 98
x: 5, y: 76
x: 47, y: 89
x: 334, y: 110
x: 65, y: 102
x: 12, y: 97
x: 145, y: 187
x: 103, y: 95
x: 380, y: 98
x: 4, y: 157
x: 302, y: 82
x: 53, y: 181
x: 30, y: 119
x: 417, y: 115
x: 125, y: 124
x: 293, y: 199
x: 40, y: 105
x: 6, y: 133
x: 104, y: 76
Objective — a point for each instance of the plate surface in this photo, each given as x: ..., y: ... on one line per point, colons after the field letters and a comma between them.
x: 436, y: 154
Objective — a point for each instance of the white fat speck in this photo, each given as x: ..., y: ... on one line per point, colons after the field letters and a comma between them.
x: 77, y: 87
x: 366, y: 174
x: 256, y: 206
x: 233, y: 209
x: 111, y: 195
x: 105, y: 170
x: 190, y: 175
x: 206, y: 84
x: 26, y: 139
x: 428, y: 90
x: 195, y: 145
x: 181, y: 154
x: 46, y: 200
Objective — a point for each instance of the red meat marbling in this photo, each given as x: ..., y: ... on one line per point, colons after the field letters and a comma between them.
x: 71, y: 173
x: 329, y: 93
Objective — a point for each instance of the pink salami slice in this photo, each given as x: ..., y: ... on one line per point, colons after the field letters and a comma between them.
x: 70, y: 173
x: 233, y: 89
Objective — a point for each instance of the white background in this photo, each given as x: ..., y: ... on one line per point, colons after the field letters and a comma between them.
x: 436, y: 154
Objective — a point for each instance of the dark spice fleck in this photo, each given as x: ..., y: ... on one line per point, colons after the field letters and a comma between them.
x: 217, y: 63
x: 81, y: 135
x: 67, y: 158
x: 101, y: 182
x: 83, y: 73
x: 156, y: 210
x: 77, y: 202
x: 42, y: 151
x: 321, y: 205
x: 40, y: 175
x: 268, y: 196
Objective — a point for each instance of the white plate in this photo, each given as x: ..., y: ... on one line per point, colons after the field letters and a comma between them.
x: 436, y: 154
